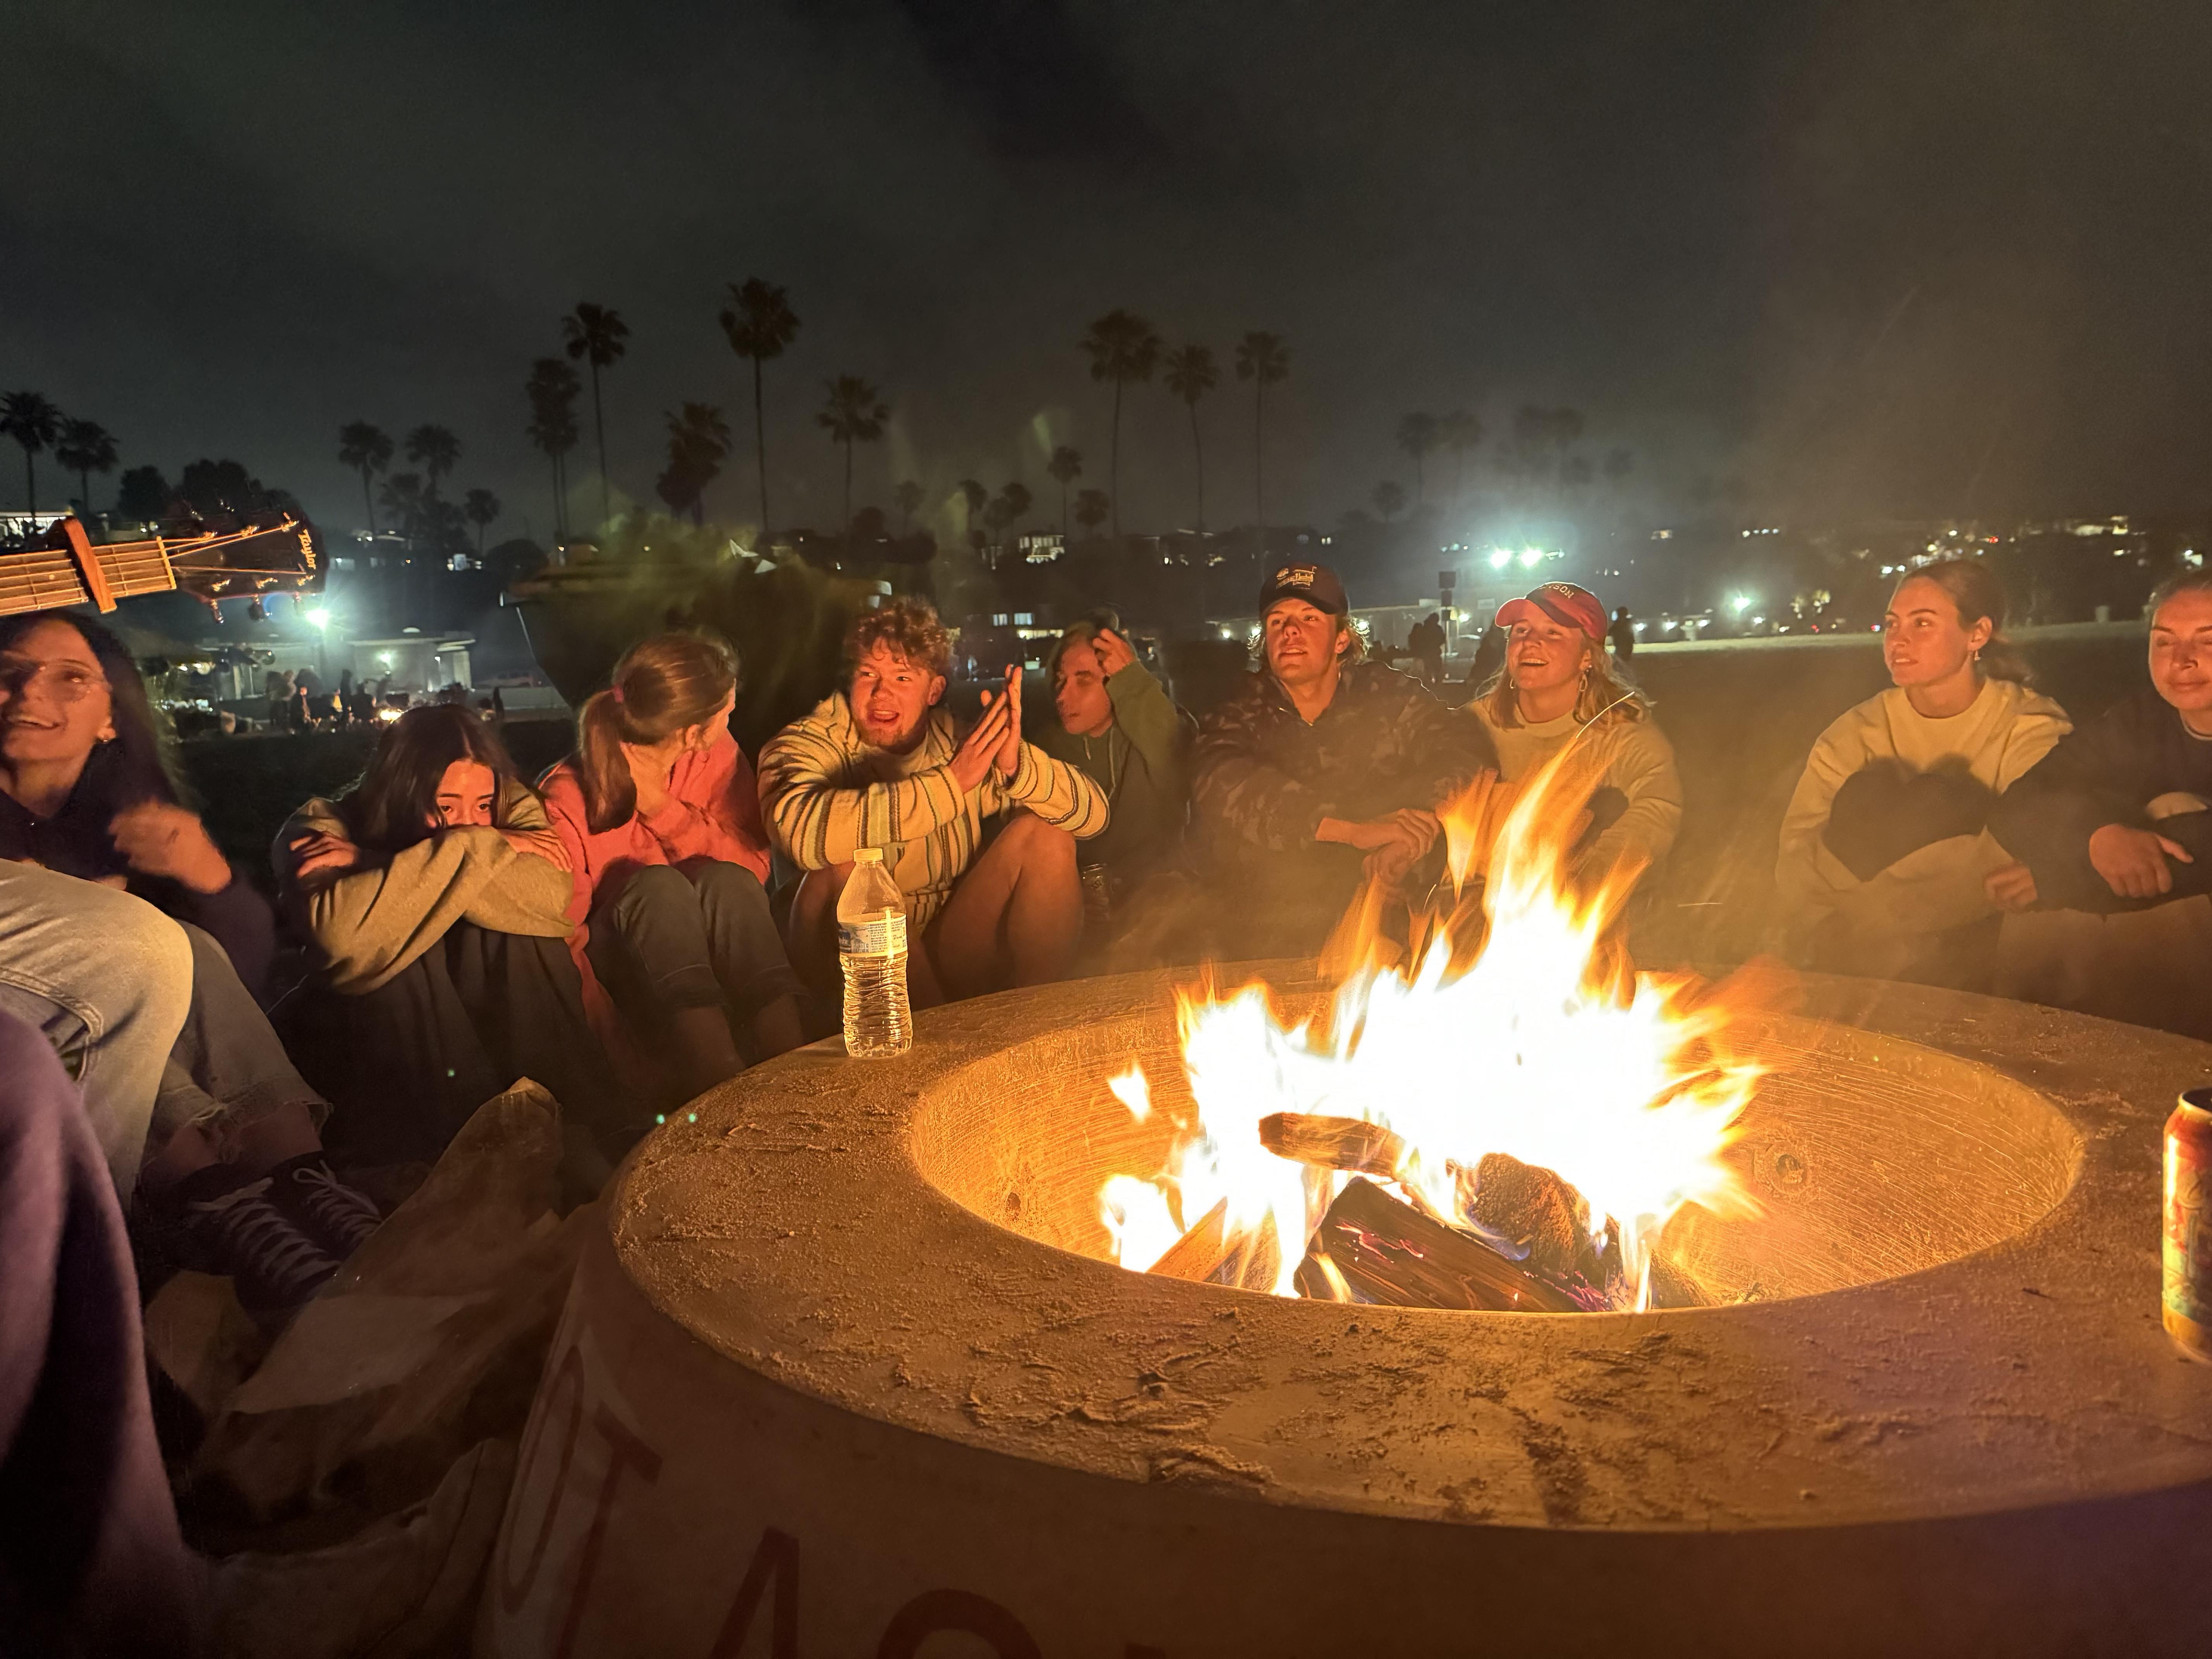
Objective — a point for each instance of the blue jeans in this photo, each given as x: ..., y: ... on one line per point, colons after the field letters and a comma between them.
x: 107, y: 980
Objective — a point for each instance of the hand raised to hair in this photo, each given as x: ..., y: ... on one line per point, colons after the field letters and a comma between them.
x: 1115, y: 652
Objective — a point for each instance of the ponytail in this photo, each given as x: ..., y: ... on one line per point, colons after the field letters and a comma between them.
x: 1977, y: 594
x: 661, y: 686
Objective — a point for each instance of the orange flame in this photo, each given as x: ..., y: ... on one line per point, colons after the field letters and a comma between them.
x: 1509, y: 1020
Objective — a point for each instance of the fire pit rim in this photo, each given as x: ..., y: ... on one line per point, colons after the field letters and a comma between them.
x: 966, y: 1335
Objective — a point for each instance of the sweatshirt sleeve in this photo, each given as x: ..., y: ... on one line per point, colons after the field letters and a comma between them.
x: 2104, y: 773
x: 1809, y: 879
x: 816, y: 823
x: 1064, y: 796
x: 1643, y: 769
x: 368, y: 924
x: 1153, y: 724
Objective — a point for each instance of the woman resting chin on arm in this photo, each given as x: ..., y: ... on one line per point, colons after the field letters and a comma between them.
x: 435, y: 896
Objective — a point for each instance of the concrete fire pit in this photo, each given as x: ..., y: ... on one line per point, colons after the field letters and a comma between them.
x: 849, y: 1372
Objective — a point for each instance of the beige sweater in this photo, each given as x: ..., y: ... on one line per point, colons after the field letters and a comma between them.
x: 369, y: 923
x: 826, y: 791
x: 2003, y: 732
x: 1639, y: 763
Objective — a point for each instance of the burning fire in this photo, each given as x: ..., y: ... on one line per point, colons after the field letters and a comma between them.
x: 1510, y: 1024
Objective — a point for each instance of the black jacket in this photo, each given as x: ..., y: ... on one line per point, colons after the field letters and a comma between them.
x: 2109, y: 771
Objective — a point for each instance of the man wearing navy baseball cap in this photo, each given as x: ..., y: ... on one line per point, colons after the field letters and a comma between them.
x: 1323, y: 766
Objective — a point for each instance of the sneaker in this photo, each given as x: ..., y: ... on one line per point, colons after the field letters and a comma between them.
x: 271, y: 1261
x: 338, y: 1217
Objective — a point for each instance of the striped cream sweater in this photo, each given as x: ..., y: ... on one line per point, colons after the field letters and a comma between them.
x: 825, y: 791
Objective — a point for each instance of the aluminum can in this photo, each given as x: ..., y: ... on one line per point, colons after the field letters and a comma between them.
x: 2188, y: 1213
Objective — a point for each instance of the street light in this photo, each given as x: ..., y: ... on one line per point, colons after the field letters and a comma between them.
x: 1740, y: 603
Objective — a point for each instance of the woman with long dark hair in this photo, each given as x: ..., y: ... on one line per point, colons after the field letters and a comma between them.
x: 660, y: 815
x: 435, y: 894
x: 1887, y: 866
x: 231, y: 1156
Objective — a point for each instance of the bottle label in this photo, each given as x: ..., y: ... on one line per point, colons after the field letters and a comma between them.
x: 884, y: 936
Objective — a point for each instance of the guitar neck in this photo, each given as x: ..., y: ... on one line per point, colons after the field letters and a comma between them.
x: 46, y: 579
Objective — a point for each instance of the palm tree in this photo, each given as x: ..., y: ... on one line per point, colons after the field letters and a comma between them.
x: 1122, y: 348
x: 404, y: 497
x: 366, y: 449
x: 972, y: 497
x: 32, y: 421
x: 1091, y: 507
x: 1417, y: 435
x: 909, y: 497
x: 698, y: 439
x: 85, y: 448
x: 481, y: 508
x: 553, y: 389
x: 1191, y: 374
x: 1263, y: 359
x: 760, y: 323
x: 1066, y: 465
x: 1012, y: 502
x: 596, y: 333
x: 436, y: 451
x: 1390, y: 499
x: 1459, y: 432
x: 854, y: 412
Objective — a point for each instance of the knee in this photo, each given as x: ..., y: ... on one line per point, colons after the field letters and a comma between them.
x: 1041, y: 845
x: 653, y: 888
x: 718, y: 882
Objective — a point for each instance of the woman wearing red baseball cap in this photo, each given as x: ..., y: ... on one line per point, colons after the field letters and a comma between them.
x: 1556, y: 685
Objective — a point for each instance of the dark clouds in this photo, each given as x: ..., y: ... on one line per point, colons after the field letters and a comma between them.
x: 1872, y: 258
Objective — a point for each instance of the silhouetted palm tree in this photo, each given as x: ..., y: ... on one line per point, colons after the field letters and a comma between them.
x: 85, y: 448
x: 854, y: 412
x: 1122, y: 348
x: 1091, y: 507
x: 698, y: 439
x: 1264, y: 359
x: 1390, y: 499
x: 1459, y: 432
x: 32, y: 421
x: 404, y: 495
x: 1066, y: 466
x: 1191, y: 374
x: 367, y: 450
x: 553, y: 389
x: 481, y: 508
x: 1416, y: 437
x: 972, y: 498
x: 597, y: 334
x: 760, y: 323
x: 1007, y: 510
x: 909, y: 498
x: 436, y: 451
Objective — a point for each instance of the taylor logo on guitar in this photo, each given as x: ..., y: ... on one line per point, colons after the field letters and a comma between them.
x: 275, y: 553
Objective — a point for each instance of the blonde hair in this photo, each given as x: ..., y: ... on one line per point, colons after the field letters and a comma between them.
x: 662, y: 685
x: 1603, y: 698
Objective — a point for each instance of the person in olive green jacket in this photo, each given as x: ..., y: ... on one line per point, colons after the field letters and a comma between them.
x: 1120, y: 726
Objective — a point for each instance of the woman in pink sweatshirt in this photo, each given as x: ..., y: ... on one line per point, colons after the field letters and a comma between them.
x: 661, y: 818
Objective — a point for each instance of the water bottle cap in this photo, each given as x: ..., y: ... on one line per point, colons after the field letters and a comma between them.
x: 867, y: 855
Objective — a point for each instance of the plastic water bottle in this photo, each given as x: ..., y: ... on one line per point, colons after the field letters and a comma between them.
x: 872, y: 945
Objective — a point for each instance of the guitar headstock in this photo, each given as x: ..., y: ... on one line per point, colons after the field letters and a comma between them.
x: 271, y: 553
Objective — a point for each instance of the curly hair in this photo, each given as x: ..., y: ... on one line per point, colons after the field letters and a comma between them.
x: 909, y: 627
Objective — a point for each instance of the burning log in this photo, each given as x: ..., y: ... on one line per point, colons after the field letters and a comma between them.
x: 1388, y: 1252
x: 1248, y: 1259
x: 1537, y: 1211
x: 1332, y: 1143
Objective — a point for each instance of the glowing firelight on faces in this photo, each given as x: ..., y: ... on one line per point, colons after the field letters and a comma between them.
x: 1543, y: 1045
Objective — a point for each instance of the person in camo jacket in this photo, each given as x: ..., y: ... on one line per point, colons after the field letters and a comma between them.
x: 1322, y: 768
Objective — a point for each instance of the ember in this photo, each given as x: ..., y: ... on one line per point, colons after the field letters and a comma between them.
x: 1501, y: 1113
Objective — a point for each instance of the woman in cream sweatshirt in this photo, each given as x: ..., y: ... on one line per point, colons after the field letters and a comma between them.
x: 1556, y: 689
x: 1887, y: 867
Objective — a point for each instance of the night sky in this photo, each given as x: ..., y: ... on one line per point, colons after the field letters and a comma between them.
x: 1870, y: 259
